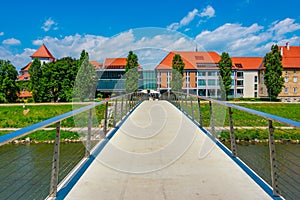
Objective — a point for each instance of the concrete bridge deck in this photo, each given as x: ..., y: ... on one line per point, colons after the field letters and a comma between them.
x: 159, y: 153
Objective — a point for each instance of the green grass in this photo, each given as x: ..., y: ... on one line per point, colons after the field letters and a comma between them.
x: 13, y: 117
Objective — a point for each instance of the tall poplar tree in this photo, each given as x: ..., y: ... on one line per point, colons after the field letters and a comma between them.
x: 36, y: 82
x: 225, y: 66
x: 131, y: 73
x: 177, y: 73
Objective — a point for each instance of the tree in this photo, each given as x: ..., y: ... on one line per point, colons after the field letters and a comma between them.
x: 8, y: 85
x: 273, y: 72
x: 86, y: 79
x: 131, y: 73
x: 225, y: 66
x: 177, y: 73
x: 36, y: 85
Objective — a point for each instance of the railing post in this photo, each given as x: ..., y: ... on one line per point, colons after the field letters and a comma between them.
x: 126, y: 104
x: 55, y: 163
x: 200, y: 112
x: 115, y: 113
x: 181, y: 104
x: 88, y: 139
x: 232, y: 136
x: 273, y: 161
x: 212, y: 123
x: 192, y: 108
x: 105, y: 118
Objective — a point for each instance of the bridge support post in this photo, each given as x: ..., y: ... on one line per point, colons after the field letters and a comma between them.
x: 55, y: 163
x: 232, y: 136
x: 115, y: 113
x: 88, y: 138
x: 212, y: 123
x: 105, y: 118
x: 200, y: 112
x: 273, y: 161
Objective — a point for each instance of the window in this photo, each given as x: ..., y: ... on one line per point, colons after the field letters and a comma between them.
x: 255, y: 79
x: 201, y: 82
x: 255, y: 94
x: 286, y: 90
x: 211, y: 82
x: 295, y: 89
x: 286, y: 79
x: 255, y: 86
x: 201, y: 73
x: 295, y: 79
x: 211, y: 73
x: 240, y: 74
x: 240, y: 83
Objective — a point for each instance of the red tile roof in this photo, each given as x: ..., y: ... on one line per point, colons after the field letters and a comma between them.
x: 25, y: 94
x: 26, y: 68
x: 116, y: 63
x: 96, y: 64
x: 24, y: 77
x: 190, y: 59
x: 291, y: 56
x: 42, y: 52
x: 246, y: 63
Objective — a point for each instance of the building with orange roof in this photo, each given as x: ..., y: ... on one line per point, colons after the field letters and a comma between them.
x: 201, y: 74
x: 245, y: 76
x: 291, y: 73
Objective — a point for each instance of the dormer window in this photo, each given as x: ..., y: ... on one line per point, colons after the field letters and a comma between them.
x: 238, y: 65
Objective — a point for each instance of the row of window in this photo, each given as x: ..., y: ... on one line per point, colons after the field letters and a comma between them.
x: 286, y: 79
x: 286, y: 89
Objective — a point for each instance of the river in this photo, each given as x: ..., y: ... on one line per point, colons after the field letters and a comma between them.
x: 25, y: 169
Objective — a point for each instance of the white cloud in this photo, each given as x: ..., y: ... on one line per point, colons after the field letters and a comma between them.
x: 209, y: 12
x: 285, y: 26
x: 1, y: 33
x: 48, y: 24
x: 11, y: 41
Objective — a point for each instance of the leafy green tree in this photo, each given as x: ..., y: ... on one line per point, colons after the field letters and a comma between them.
x: 8, y: 85
x: 131, y: 73
x: 177, y: 73
x: 86, y: 79
x: 36, y: 80
x: 225, y: 66
x: 273, y: 72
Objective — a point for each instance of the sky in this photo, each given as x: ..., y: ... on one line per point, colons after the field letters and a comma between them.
x: 149, y: 28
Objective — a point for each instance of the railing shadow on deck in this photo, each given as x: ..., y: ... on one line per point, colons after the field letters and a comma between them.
x: 23, y: 175
x: 275, y: 168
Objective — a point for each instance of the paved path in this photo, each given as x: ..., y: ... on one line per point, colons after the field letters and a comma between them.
x: 158, y: 153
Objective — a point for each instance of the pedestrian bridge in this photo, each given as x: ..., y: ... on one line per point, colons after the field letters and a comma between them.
x: 158, y: 149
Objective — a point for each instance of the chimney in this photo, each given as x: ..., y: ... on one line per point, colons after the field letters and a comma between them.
x: 287, y: 45
x: 281, y: 51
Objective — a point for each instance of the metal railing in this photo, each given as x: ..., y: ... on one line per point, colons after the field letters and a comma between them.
x: 23, y: 175
x: 253, y: 138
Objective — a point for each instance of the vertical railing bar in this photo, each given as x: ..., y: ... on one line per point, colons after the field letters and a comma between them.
x: 212, y: 123
x: 55, y: 163
x: 122, y: 108
x: 186, y: 105
x: 192, y: 108
x: 200, y: 112
x: 126, y: 104
x: 88, y: 139
x: 105, y: 118
x: 115, y: 113
x: 232, y: 136
x: 273, y: 162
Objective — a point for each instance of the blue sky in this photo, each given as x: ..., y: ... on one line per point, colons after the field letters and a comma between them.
x: 151, y: 28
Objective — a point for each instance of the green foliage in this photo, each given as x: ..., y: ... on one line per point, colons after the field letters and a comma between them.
x: 225, y: 66
x: 273, y: 72
x: 131, y: 73
x: 177, y: 73
x: 37, y: 84
x: 86, y: 79
x: 8, y: 86
x: 49, y: 135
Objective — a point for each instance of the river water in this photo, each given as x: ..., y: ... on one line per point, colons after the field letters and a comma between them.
x: 25, y: 169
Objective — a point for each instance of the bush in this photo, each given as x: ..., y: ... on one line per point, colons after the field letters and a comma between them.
x: 30, y: 100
